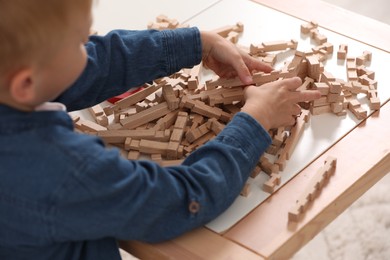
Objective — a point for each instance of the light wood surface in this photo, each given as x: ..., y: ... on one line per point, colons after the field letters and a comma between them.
x: 198, y: 244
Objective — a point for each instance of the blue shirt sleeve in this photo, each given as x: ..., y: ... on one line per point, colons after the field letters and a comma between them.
x: 125, y: 59
x: 139, y: 200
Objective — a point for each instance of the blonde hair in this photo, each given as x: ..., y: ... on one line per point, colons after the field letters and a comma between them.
x: 31, y: 29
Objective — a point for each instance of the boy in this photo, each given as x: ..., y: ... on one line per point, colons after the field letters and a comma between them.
x: 62, y: 194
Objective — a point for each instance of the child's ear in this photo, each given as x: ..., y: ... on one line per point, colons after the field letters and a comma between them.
x: 22, y: 86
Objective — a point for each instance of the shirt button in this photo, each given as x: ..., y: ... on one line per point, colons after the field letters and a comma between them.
x: 194, y: 207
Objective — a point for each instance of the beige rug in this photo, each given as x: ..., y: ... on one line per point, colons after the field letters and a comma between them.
x: 361, y: 232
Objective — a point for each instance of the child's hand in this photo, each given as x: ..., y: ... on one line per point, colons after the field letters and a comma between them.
x: 275, y: 104
x: 227, y: 61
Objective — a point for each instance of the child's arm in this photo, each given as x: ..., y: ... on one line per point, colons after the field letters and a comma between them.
x: 109, y: 196
x: 125, y: 59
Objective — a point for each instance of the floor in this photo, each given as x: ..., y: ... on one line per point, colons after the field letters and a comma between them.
x: 363, y: 230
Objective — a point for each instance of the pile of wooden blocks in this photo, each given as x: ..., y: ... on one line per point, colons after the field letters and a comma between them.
x: 169, y: 119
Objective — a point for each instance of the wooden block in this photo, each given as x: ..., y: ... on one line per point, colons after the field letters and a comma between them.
x: 335, y: 87
x: 320, y: 110
x: 322, y: 87
x: 268, y: 167
x: 151, y: 147
x: 172, y: 150
x: 245, y: 190
x: 86, y: 125
x: 295, y: 134
x: 133, y: 155
x: 170, y: 98
x: 342, y: 52
x: 316, y: 183
x: 322, y: 101
x: 359, y: 112
x: 306, y: 28
x: 133, y: 99
x: 145, y: 116
x: 270, y: 185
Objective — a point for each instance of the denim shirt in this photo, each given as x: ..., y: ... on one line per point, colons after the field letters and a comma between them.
x: 64, y: 195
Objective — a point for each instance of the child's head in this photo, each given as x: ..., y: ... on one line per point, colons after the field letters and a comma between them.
x: 41, y: 48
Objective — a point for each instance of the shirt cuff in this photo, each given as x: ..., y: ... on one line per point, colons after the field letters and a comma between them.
x: 248, y: 134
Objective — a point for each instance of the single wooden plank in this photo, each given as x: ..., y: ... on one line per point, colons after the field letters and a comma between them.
x: 347, y: 23
x: 362, y: 160
x: 198, y: 244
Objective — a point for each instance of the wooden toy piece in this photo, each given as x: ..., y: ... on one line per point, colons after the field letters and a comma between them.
x: 359, y: 112
x: 335, y: 87
x: 342, y: 52
x: 306, y: 28
x: 230, y: 96
x: 268, y: 167
x: 196, y: 133
x: 233, y: 37
x: 366, y: 57
x: 119, y: 136
x: 364, y: 79
x: 163, y: 23
x: 327, y: 77
x: 322, y: 87
x: 255, y: 172
x: 313, y: 188
x: 153, y: 147
x: 166, y: 121
x: 178, y: 129
x: 245, y: 190
x: 362, y: 70
x: 193, y: 81
x: 172, y: 150
x: 156, y: 157
x: 226, y: 83
x: 145, y: 116
x: 75, y: 118
x: 259, y: 78
x: 326, y: 46
x: 132, y: 99
x: 375, y: 103
x: 89, y: 126
x: 320, y: 110
x: 296, y: 133
x: 317, y: 37
x: 285, y: 153
x: 295, y: 65
x: 270, y: 185
x: 170, y: 97
x: 215, y: 126
x: 133, y: 155
x: 225, y: 30
x: 351, y: 69
x: 314, y: 67
x: 99, y: 115
x: 273, y: 46
x: 196, y: 120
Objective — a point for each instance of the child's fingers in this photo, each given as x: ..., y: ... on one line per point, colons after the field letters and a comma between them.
x: 242, y: 71
x: 306, y: 95
x: 292, y: 83
x: 256, y: 65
